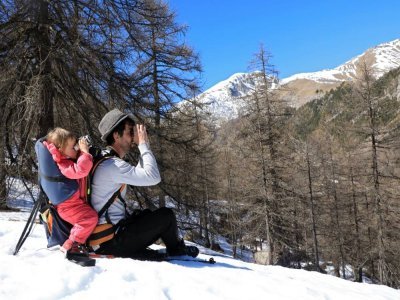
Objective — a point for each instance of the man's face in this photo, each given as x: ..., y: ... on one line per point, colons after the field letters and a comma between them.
x: 126, y: 140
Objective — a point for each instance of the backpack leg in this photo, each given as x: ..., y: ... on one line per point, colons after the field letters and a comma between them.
x: 29, y: 224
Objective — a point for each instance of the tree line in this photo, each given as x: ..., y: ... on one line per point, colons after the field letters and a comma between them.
x: 316, y: 187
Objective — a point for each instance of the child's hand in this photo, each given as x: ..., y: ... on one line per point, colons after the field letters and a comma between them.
x: 83, y: 145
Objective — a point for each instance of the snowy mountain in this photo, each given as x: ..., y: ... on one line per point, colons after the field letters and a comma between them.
x: 380, y: 59
x: 223, y: 99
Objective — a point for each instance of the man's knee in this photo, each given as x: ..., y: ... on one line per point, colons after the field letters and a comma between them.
x: 166, y: 212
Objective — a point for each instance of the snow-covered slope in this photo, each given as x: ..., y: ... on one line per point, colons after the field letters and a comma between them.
x: 39, y: 273
x: 223, y: 99
x: 380, y: 59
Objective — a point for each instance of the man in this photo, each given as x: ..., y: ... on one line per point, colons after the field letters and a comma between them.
x: 134, y: 233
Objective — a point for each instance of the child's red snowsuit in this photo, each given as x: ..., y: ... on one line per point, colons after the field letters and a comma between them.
x: 75, y: 210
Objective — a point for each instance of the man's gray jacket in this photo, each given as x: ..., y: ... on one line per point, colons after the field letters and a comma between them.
x: 112, y: 173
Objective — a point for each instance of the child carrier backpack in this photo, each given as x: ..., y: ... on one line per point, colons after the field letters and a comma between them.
x: 57, y: 230
x: 56, y: 188
x: 103, y: 232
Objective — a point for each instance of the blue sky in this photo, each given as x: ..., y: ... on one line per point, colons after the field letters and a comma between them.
x: 302, y: 36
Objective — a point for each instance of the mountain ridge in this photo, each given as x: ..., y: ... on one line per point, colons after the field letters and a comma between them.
x: 223, y: 100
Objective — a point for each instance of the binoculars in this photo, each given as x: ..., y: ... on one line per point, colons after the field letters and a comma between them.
x: 87, y: 139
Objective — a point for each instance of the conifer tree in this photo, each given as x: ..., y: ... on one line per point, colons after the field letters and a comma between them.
x: 258, y: 144
x: 66, y: 63
x: 376, y: 188
x: 165, y: 72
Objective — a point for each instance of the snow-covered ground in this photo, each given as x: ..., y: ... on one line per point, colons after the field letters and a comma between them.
x: 41, y: 273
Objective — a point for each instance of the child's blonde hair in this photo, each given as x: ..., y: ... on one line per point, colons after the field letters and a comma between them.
x: 59, y: 137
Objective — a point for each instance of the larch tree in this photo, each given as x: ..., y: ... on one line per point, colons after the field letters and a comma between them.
x: 259, y: 145
x: 166, y: 71
x: 66, y: 63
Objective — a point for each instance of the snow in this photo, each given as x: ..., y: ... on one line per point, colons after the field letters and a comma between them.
x: 41, y: 273
x: 18, y: 196
x: 235, y: 79
x: 224, y: 100
x: 386, y: 55
x: 324, y: 76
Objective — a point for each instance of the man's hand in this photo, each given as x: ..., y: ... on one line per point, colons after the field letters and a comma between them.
x: 140, y: 135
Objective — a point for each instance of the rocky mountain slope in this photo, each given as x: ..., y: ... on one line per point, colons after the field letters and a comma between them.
x: 223, y: 99
x: 301, y: 88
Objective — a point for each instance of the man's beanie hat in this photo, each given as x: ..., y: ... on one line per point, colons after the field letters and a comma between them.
x: 110, y: 121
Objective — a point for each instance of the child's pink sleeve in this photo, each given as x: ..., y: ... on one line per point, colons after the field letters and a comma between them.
x: 55, y: 153
x: 79, y: 169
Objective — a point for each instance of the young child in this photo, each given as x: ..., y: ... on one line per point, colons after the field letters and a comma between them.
x: 74, y: 164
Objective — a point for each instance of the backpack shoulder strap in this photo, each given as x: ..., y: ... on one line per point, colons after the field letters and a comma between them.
x: 114, y: 197
x: 89, y: 180
x: 97, y: 161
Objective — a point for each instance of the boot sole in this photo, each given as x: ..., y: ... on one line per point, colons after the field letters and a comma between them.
x: 83, y: 261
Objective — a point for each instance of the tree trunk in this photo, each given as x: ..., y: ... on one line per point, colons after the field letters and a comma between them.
x: 45, y: 114
x: 206, y: 205
x: 3, y: 186
x: 370, y: 238
x: 157, y: 113
x: 382, y: 270
x: 232, y: 208
x: 313, y: 219
x: 357, y: 268
x: 336, y: 215
x: 266, y: 200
